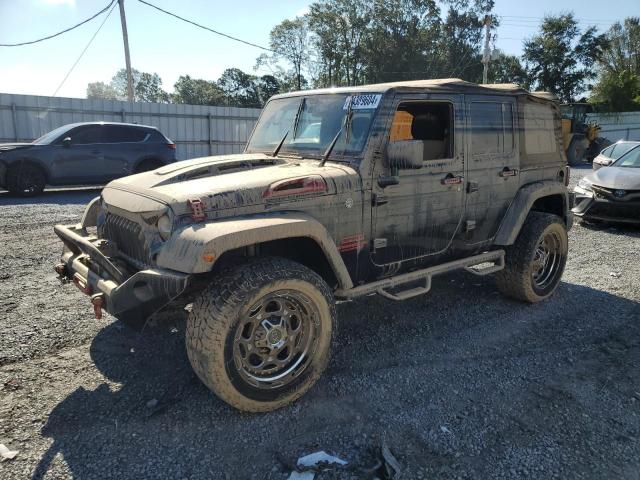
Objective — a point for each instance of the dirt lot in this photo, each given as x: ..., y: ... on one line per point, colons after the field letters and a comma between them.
x: 461, y: 383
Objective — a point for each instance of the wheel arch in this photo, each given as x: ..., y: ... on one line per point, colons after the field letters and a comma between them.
x: 546, y: 196
x: 293, y: 235
x: 19, y: 162
x: 147, y: 158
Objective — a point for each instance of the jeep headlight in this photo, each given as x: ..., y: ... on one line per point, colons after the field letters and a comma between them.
x: 164, y: 226
x: 585, y: 184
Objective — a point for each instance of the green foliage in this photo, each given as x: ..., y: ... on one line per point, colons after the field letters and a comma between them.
x: 102, y: 90
x: 508, y: 69
x: 194, y: 91
x: 560, y: 58
x: 147, y: 87
x: 617, y: 91
x: 618, y: 86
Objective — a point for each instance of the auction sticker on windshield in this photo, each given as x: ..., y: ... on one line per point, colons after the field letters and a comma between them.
x: 365, y: 101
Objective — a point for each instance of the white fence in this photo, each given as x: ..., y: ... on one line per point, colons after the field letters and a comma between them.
x: 617, y: 126
x: 197, y: 130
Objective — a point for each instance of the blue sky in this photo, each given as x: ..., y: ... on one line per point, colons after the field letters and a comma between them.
x: 165, y: 45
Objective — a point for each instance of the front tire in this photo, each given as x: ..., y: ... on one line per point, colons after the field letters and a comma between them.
x: 26, y: 180
x: 535, y: 262
x: 259, y: 337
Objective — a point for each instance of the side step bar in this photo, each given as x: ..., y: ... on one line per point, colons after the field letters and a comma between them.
x: 381, y: 286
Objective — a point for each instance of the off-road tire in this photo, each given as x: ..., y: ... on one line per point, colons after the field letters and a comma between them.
x: 218, y: 312
x: 516, y: 279
x: 25, y: 180
x: 147, y: 165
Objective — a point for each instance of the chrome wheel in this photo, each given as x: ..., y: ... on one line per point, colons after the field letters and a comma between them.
x: 276, y: 339
x: 547, y: 260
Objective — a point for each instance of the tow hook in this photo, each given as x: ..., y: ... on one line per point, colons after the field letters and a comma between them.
x: 61, y: 269
x: 97, y: 301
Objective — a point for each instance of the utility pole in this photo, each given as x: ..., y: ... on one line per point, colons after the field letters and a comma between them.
x: 127, y: 58
x: 486, y: 57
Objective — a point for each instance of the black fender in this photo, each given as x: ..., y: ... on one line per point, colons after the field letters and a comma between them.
x: 522, y: 204
x: 195, y: 248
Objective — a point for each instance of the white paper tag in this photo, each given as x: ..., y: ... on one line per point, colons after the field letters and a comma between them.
x: 365, y: 101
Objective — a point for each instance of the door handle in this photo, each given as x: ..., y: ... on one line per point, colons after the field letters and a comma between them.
x: 507, y: 172
x: 451, y: 179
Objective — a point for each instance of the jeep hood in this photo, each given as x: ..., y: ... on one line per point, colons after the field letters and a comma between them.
x: 625, y: 178
x: 220, y: 182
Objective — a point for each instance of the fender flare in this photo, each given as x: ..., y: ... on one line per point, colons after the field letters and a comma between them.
x: 185, y: 249
x: 521, y: 206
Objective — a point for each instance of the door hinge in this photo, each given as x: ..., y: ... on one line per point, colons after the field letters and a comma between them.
x: 379, y: 199
x: 472, y: 187
x: 470, y: 225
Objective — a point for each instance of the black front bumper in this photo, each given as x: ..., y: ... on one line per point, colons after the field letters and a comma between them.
x: 132, y: 298
x: 590, y: 206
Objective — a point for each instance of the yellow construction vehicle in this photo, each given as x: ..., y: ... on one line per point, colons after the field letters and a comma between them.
x: 581, y: 140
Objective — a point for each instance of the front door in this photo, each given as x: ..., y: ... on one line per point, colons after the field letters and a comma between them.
x: 420, y: 215
x: 81, y: 161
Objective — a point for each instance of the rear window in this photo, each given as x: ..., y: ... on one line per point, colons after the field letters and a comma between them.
x: 156, y: 137
x: 122, y: 134
x: 539, y: 129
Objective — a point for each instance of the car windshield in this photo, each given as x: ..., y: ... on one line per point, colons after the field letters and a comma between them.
x: 313, y: 121
x: 47, y: 138
x: 629, y: 159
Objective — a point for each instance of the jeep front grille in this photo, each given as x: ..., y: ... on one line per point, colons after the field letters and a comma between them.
x: 127, y: 235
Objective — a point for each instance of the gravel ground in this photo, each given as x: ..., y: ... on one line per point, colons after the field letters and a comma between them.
x: 461, y: 383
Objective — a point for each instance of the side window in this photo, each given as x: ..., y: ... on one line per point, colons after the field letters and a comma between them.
x: 491, y: 128
x: 608, y: 151
x: 428, y: 122
x: 539, y: 129
x: 118, y: 134
x: 86, y: 135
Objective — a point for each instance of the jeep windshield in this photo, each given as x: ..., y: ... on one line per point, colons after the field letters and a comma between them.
x: 312, y: 122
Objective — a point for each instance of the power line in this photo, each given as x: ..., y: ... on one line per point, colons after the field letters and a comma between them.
x: 83, y: 51
x: 206, y: 28
x: 59, y: 33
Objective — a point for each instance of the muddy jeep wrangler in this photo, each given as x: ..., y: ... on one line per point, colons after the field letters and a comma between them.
x: 340, y: 193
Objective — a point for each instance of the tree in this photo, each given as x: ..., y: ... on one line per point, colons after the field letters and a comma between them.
x: 239, y: 88
x: 508, y: 69
x: 147, y: 87
x: 193, y: 91
x: 560, y: 58
x: 290, y: 41
x: 618, y: 85
x: 101, y: 90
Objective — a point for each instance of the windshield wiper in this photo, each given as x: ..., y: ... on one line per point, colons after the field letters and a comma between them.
x: 346, y: 126
x: 296, y: 121
x: 275, y: 152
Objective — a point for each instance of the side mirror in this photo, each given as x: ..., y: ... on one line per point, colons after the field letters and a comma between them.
x: 66, y: 142
x: 405, y: 155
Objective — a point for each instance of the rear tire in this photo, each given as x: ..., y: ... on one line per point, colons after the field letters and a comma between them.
x: 26, y: 180
x: 147, y: 166
x: 259, y: 336
x: 535, y: 262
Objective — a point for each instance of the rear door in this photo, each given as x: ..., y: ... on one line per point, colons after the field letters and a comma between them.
x: 420, y: 215
x: 123, y: 146
x: 81, y: 161
x: 493, y: 163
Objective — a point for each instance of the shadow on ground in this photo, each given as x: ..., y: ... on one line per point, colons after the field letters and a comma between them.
x: 75, y: 196
x: 461, y: 385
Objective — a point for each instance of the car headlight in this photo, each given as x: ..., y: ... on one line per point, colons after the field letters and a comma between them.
x: 165, y: 224
x: 584, y: 184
